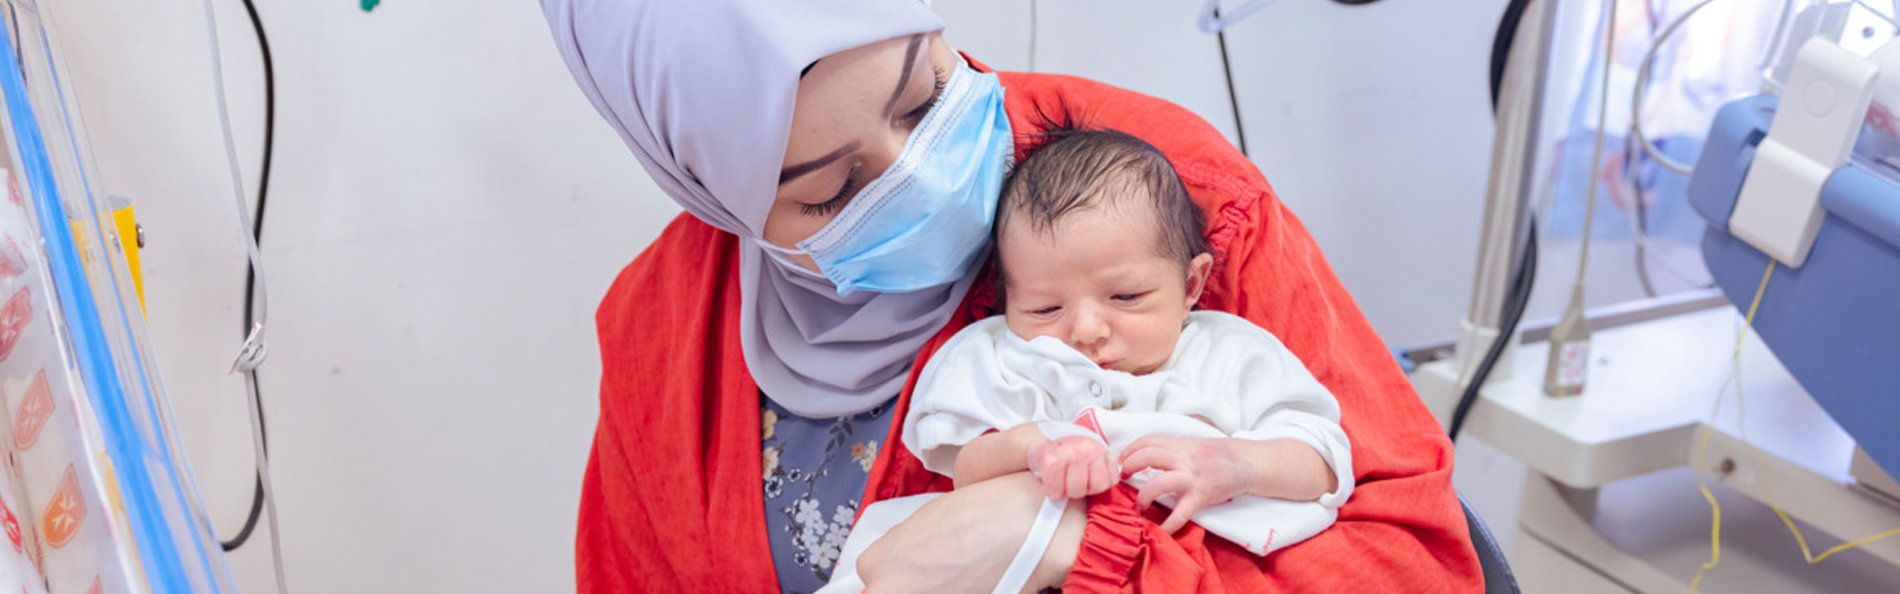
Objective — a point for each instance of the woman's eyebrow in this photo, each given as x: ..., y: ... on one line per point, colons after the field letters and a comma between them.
x: 903, y: 80
x: 793, y: 172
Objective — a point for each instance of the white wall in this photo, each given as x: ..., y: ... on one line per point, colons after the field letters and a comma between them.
x: 1372, y: 122
x: 446, y: 210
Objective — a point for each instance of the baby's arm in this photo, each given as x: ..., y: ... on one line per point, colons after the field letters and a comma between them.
x: 1280, y: 468
x: 1288, y: 421
x: 1233, y: 487
x: 1284, y: 468
x: 996, y: 453
x: 1069, y: 466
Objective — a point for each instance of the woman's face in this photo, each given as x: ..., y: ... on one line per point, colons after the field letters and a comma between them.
x: 854, y: 111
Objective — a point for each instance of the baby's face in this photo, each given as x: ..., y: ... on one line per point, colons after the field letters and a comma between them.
x: 1099, y: 283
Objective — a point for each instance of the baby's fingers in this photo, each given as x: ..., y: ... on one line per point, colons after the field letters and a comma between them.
x: 1184, y: 510
x: 1101, y: 476
x: 1170, y: 482
x: 1055, y: 475
x: 1078, y: 484
x: 1154, y: 457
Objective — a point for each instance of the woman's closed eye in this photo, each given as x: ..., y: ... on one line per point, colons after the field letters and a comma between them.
x: 838, y: 200
x: 853, y: 181
x: 915, y: 116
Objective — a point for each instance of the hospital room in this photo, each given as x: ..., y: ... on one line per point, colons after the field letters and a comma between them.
x: 842, y: 296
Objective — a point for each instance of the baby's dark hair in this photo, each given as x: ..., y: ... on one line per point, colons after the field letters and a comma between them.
x: 1075, y: 168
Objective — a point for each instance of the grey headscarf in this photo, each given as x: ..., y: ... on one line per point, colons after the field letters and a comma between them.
x: 702, y: 91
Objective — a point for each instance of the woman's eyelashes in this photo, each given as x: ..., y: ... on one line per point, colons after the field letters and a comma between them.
x: 852, y: 183
x: 836, y: 201
x: 916, y: 115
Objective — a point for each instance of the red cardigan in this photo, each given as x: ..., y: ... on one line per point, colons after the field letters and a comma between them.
x: 672, y: 499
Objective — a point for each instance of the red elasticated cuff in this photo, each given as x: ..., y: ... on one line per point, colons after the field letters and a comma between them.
x: 1112, y: 541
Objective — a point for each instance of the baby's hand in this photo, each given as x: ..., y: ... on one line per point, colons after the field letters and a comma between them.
x: 1073, y: 467
x: 1198, y: 472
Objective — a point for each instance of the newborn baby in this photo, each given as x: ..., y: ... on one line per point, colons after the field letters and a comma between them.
x: 1101, y: 372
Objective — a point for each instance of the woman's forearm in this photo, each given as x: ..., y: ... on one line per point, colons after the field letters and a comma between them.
x: 996, y: 454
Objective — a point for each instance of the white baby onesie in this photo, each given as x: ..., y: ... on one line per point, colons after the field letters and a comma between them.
x: 1225, y: 378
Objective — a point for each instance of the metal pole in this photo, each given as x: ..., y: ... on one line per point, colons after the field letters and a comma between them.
x: 1508, y: 198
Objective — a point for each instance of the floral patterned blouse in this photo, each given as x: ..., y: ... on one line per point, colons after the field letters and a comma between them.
x: 815, y: 472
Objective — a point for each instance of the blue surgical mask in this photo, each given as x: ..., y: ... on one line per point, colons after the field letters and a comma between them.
x: 926, y: 221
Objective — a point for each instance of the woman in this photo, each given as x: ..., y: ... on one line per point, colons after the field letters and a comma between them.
x: 777, y: 327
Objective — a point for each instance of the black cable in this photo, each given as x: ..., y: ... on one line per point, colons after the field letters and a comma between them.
x: 1516, y: 302
x: 250, y: 275
x: 1233, y: 97
x: 1501, y: 45
x: 1518, y: 298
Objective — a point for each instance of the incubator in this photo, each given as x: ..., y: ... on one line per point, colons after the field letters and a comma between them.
x: 96, y: 494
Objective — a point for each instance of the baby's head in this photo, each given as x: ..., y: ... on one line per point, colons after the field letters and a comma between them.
x: 1101, y: 248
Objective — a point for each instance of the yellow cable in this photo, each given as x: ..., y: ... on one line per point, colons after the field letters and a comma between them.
x: 1813, y: 558
x: 1702, y: 447
x: 1715, y: 509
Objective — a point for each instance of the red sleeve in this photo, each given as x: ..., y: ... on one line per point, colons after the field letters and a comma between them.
x: 1403, y: 521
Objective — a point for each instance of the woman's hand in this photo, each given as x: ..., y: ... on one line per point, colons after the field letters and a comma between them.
x: 964, y: 540
x: 1073, y: 467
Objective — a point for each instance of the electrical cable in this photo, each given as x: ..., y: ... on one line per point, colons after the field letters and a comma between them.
x: 1518, y: 300
x: 1569, y: 340
x: 1639, y: 223
x: 1566, y: 368
x: 1524, y: 276
x: 1233, y: 96
x: 1641, y: 88
x: 1596, y: 158
x: 1501, y: 45
x: 250, y: 275
x: 1699, y: 456
x: 254, y: 350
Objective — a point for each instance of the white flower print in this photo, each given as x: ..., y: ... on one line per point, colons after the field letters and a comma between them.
x: 805, y: 513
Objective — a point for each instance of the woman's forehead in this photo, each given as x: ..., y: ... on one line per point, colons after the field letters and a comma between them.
x: 845, y: 91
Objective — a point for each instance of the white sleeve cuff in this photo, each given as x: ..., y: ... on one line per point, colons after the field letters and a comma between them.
x: 1338, y: 456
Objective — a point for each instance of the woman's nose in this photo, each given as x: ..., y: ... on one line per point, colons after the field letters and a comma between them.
x: 879, y: 155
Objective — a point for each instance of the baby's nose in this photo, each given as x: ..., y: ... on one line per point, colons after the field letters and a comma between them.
x: 1089, y: 332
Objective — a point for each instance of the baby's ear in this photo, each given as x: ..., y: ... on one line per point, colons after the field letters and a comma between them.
x: 1198, y: 269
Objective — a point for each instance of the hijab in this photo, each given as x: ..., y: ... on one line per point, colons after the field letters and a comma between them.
x: 702, y: 92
